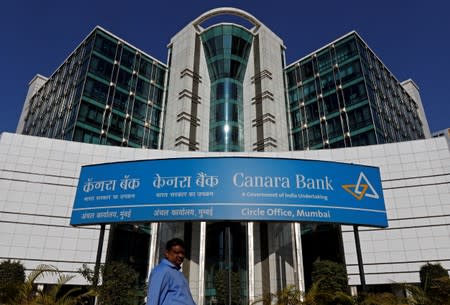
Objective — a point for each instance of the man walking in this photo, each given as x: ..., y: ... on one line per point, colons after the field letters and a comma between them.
x: 167, y: 285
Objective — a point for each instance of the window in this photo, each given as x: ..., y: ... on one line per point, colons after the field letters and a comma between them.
x: 324, y: 61
x: 96, y: 90
x: 116, y: 125
x: 86, y: 136
x: 295, y: 96
x: 291, y: 79
x: 312, y: 112
x: 111, y: 142
x: 299, y: 144
x: 127, y: 58
x: 219, y: 112
x: 315, y: 135
x: 160, y: 74
x: 145, y: 69
x: 220, y: 91
x: 238, y: 46
x: 156, y: 115
x: 156, y: 95
x: 124, y: 80
x: 91, y: 115
x: 346, y: 50
x: 296, y: 117
x: 366, y: 138
x: 235, y: 136
x: 136, y: 133
x: 153, y: 139
x: 327, y: 82
x: 350, y: 71
x: 331, y: 103
x: 359, y: 117
x: 337, y: 144
x: 237, y: 70
x: 218, y: 135
x: 334, y: 127
x: 120, y: 101
x: 105, y: 46
x: 307, y: 70
x: 309, y: 91
x: 142, y: 88
x: 139, y: 109
x: 101, y: 67
x: 355, y: 93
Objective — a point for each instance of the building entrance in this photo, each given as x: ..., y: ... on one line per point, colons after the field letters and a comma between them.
x: 226, y: 270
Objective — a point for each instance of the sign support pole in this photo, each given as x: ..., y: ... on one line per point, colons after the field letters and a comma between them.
x: 360, y: 261
x: 99, y: 254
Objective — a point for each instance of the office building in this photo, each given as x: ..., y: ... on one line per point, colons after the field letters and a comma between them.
x: 226, y: 90
x: 343, y: 95
x: 105, y: 92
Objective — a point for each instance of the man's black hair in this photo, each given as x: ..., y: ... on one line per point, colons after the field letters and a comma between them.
x: 174, y: 242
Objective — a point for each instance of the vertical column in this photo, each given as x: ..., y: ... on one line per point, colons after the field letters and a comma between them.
x: 153, y: 247
x: 298, y: 255
x: 251, y: 263
x: 201, y: 263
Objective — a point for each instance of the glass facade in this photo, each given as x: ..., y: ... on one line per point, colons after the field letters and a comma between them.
x: 106, y: 92
x: 343, y: 96
x: 226, y: 265
x: 227, y: 49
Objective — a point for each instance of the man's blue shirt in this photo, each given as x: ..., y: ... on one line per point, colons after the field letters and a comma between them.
x: 168, y: 286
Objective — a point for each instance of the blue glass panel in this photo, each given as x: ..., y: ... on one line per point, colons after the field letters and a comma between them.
x: 227, y: 49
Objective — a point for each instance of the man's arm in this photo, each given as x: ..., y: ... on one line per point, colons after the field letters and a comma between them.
x: 157, y: 288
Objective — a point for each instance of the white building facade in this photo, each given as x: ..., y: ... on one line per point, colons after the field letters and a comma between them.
x: 39, y: 178
x: 226, y: 73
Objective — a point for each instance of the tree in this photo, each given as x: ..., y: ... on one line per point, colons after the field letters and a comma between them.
x: 430, y: 272
x: 435, y: 282
x: 12, y: 276
x: 331, y: 276
x: 330, y: 284
x: 383, y: 298
x: 28, y: 294
x: 290, y: 295
x: 119, y: 285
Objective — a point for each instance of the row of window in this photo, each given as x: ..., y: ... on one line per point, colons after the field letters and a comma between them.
x: 328, y: 105
x: 118, y: 98
x: 304, y: 140
x: 101, y: 118
x: 138, y: 137
x: 325, y: 84
x: 129, y: 58
x: 332, y: 56
x: 125, y: 80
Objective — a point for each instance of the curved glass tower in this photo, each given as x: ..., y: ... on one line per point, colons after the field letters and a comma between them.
x: 227, y: 49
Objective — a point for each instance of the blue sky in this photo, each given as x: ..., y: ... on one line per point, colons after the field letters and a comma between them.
x: 412, y: 38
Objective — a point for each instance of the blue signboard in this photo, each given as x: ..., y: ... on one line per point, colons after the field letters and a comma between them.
x: 229, y: 188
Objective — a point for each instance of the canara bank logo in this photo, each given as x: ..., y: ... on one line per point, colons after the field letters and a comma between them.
x: 362, y: 188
